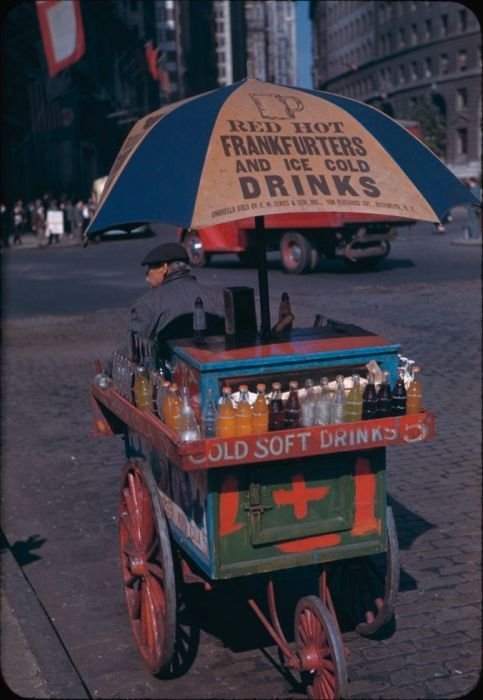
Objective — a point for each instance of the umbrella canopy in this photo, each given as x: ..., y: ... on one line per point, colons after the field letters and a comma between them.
x: 254, y: 148
x: 257, y: 148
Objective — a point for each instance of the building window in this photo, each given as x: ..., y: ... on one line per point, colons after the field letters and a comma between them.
x: 444, y: 25
x: 402, y: 37
x: 414, y: 70
x: 428, y: 29
x: 414, y: 33
x: 462, y: 59
x: 462, y: 18
x: 462, y: 142
x: 428, y: 67
x: 444, y: 63
x: 402, y: 74
x: 461, y: 98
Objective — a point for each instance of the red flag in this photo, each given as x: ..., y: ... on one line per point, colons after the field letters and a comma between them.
x: 62, y: 33
x: 152, y: 59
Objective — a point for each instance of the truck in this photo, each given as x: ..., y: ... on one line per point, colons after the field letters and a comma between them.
x: 361, y: 241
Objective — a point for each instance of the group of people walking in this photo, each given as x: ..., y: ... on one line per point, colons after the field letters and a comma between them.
x: 47, y: 217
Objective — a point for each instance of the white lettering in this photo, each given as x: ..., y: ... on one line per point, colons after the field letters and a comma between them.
x: 376, y: 434
x: 326, y: 439
x: 362, y: 436
x: 261, y: 448
x: 340, y: 438
x: 390, y: 434
x: 303, y: 437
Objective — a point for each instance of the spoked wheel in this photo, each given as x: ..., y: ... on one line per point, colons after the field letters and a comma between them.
x: 365, y: 590
x: 320, y: 649
x: 147, y: 566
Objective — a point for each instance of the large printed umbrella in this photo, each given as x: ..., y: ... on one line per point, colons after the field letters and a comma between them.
x: 256, y: 148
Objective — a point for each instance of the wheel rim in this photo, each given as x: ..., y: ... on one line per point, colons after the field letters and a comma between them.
x: 365, y: 590
x: 320, y: 650
x: 194, y: 248
x: 147, y: 568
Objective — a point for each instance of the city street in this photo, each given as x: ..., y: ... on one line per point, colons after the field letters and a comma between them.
x: 65, y: 307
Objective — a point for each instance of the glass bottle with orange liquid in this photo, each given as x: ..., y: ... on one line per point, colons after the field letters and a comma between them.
x: 172, y: 407
x: 225, y: 420
x: 142, y: 389
x: 243, y: 413
x: 414, y: 402
x: 260, y: 411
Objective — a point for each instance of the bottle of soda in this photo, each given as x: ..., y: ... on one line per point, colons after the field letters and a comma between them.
x: 338, y: 407
x: 243, y: 413
x: 142, y: 389
x: 172, y: 407
x: 260, y: 411
x: 209, y: 415
x: 384, y: 397
x: 225, y: 423
x: 353, y: 407
x: 369, y: 398
x: 199, y: 319
x: 399, y: 396
x: 415, y: 393
x: 188, y: 427
x: 293, y: 411
x: 323, y: 407
x: 276, y: 409
x: 308, y: 404
x: 161, y: 395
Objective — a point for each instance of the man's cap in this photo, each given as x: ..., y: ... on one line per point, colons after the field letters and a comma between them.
x: 165, y: 253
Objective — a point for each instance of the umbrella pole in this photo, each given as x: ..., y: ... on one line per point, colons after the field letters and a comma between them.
x: 262, y: 277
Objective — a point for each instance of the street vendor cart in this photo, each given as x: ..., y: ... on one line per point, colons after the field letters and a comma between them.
x: 236, y: 507
x: 218, y: 509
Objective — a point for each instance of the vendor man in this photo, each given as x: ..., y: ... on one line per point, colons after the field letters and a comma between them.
x: 173, y: 292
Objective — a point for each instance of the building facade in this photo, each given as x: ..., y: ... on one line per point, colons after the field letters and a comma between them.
x: 413, y: 60
x: 60, y: 133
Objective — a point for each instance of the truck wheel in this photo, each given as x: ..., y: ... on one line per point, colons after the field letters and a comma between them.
x: 295, y: 253
x: 194, y: 247
x: 365, y: 264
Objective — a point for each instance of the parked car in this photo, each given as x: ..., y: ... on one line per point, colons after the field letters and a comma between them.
x: 361, y: 241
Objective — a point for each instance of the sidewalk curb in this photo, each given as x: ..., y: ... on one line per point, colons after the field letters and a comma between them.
x: 59, y: 677
x: 467, y: 241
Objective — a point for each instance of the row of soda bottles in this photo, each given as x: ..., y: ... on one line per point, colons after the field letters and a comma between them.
x: 222, y: 417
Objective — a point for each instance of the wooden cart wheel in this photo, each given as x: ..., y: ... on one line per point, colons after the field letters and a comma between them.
x: 320, y: 649
x: 365, y: 590
x: 147, y: 566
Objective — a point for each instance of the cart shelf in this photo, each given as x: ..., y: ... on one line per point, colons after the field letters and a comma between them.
x: 113, y: 411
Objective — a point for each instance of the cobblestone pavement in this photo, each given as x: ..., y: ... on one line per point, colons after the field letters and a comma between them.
x: 60, y: 499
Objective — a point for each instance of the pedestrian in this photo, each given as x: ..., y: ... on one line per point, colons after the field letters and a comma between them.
x: 473, y: 221
x: 4, y: 226
x: 77, y: 220
x: 173, y: 293
x: 39, y: 222
x: 55, y: 222
x: 18, y: 222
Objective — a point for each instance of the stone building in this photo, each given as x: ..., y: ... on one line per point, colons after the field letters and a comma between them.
x: 413, y: 60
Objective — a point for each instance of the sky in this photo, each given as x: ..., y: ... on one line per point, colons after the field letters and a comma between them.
x: 304, y: 44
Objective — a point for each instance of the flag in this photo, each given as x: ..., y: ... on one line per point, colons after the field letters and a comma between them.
x: 157, y: 67
x: 152, y: 59
x: 62, y: 33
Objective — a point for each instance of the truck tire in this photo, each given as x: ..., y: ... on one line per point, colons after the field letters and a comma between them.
x: 366, y: 264
x: 296, y: 253
x: 194, y: 247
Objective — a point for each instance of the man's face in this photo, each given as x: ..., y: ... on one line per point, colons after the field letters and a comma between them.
x: 156, y: 274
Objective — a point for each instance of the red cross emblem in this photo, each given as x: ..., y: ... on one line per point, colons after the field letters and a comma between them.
x: 299, y: 496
